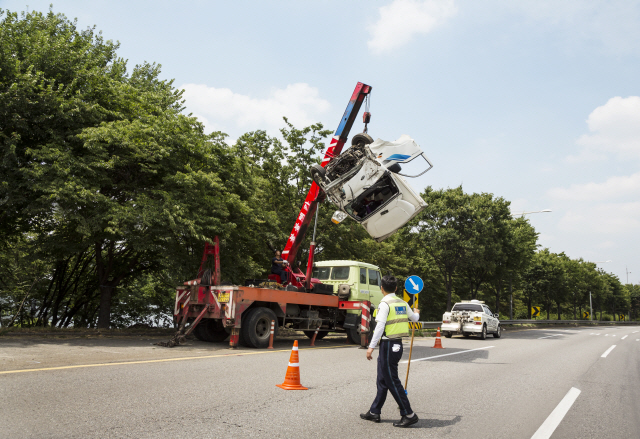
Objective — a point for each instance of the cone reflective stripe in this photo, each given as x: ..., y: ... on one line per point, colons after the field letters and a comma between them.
x: 292, y: 378
x: 438, y: 344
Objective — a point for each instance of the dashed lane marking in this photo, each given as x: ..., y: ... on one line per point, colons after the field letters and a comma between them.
x: 446, y: 355
x: 607, y: 352
x: 557, y: 415
x: 549, y: 336
x: 624, y: 337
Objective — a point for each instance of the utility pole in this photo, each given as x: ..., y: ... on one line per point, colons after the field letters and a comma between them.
x: 590, y: 307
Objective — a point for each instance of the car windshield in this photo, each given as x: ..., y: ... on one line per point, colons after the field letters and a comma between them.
x: 467, y: 307
x: 331, y: 273
x: 372, y: 199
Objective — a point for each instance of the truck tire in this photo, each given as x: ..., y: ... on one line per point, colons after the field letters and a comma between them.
x: 448, y: 334
x: 483, y: 334
x: 353, y: 335
x: 498, y: 332
x: 256, y: 327
x: 320, y: 336
x: 210, y: 330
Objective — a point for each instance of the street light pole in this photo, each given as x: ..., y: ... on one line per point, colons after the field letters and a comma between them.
x: 625, y: 267
x: 590, y: 307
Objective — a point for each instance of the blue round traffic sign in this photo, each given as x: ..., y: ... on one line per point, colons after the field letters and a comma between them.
x: 413, y: 284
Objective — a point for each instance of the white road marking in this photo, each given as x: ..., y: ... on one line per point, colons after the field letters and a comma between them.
x: 557, y: 415
x: 606, y: 335
x: 555, y: 335
x: 607, y: 351
x: 598, y: 334
x: 613, y: 335
x: 637, y: 339
x: 446, y: 355
x: 624, y: 337
x: 635, y: 332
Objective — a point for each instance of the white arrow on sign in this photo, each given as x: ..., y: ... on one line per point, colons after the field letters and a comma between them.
x: 415, y: 285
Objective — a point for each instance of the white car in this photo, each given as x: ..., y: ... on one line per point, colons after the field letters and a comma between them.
x: 365, y: 183
x: 471, y: 317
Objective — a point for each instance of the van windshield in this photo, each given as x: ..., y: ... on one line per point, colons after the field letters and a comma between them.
x: 333, y: 273
x: 467, y: 307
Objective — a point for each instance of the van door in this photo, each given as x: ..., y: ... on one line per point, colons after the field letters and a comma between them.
x: 389, y: 219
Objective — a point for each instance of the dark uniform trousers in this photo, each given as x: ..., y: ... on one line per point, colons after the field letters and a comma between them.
x: 388, y: 378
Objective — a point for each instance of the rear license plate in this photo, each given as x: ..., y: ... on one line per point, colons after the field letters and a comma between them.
x: 223, y: 297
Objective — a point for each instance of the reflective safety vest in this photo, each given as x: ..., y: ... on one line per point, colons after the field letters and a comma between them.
x: 397, y: 325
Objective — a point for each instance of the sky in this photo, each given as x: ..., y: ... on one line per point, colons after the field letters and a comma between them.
x: 533, y: 101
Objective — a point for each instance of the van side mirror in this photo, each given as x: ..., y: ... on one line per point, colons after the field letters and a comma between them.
x: 395, y: 168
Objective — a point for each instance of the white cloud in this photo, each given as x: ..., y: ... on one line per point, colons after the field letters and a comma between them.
x: 402, y: 19
x: 598, y: 220
x: 626, y: 187
x: 614, y: 128
x: 234, y: 113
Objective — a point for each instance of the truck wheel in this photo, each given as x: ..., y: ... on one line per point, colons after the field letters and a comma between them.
x: 320, y: 336
x: 448, y: 334
x: 197, y: 331
x: 498, y: 332
x: 483, y: 334
x: 353, y: 335
x: 256, y: 328
x: 213, y: 330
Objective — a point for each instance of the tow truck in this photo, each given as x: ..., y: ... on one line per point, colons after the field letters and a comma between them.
x: 213, y: 311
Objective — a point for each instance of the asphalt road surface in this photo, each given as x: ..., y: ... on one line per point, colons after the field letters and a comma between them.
x: 560, y: 383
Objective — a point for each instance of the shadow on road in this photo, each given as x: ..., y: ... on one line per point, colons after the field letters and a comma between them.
x: 426, y: 420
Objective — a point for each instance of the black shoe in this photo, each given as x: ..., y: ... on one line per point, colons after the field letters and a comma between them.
x: 370, y: 416
x: 405, y: 422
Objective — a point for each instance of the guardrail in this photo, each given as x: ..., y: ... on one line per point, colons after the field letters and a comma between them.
x: 426, y: 325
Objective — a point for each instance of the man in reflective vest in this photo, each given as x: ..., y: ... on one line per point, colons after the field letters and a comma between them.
x: 392, y: 317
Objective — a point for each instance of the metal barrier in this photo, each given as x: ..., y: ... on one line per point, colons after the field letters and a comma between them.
x: 425, y: 325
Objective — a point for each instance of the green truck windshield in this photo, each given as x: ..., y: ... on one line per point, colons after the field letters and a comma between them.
x: 333, y: 273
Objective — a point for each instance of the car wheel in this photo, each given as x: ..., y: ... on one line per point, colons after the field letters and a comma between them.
x: 483, y: 334
x: 448, y: 334
x: 466, y: 335
x: 318, y: 174
x: 498, y: 332
x: 256, y: 329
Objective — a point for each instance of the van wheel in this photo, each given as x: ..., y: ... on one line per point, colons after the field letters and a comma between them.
x: 318, y: 174
x: 256, y: 327
x: 483, y: 334
x: 498, y: 332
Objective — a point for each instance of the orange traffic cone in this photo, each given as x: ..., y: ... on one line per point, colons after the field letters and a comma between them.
x: 438, y: 344
x: 292, y: 378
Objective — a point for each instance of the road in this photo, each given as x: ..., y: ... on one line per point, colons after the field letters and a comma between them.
x: 560, y: 383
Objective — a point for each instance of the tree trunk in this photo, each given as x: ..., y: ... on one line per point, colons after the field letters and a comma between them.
x: 448, y: 282
x: 559, y: 316
x: 104, y: 315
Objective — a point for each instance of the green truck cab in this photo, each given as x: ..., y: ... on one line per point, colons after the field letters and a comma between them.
x: 362, y: 278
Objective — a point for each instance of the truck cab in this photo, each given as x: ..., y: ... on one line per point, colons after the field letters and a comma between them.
x: 363, y: 279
